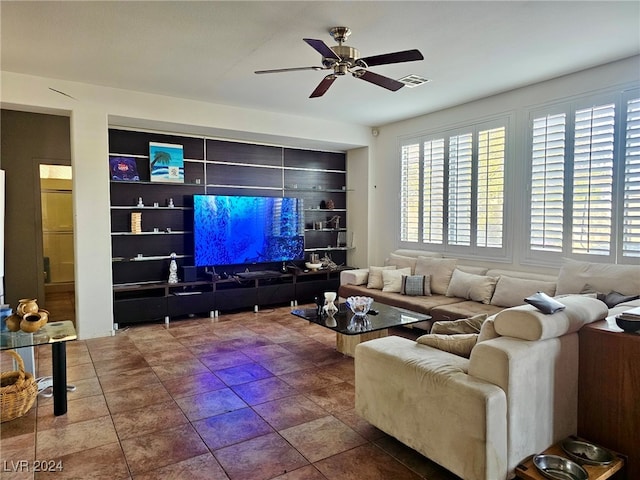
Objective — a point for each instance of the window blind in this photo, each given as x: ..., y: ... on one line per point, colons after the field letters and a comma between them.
x: 460, y: 194
x: 433, y: 191
x: 631, y: 195
x: 593, y: 180
x: 547, y: 182
x: 410, y: 193
x: 490, y: 193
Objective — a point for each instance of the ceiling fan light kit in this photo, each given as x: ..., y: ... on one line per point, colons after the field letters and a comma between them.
x: 343, y: 59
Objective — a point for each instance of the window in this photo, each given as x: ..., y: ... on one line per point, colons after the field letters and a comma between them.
x: 433, y: 192
x: 547, y: 182
x: 465, y: 168
x: 631, y: 195
x: 577, y: 203
x: 410, y: 193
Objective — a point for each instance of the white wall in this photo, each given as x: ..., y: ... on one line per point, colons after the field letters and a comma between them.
x: 384, y: 199
x: 92, y: 110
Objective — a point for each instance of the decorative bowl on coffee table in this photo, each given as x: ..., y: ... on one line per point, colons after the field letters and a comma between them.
x: 359, y: 305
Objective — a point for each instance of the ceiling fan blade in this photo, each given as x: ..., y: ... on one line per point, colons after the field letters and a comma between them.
x: 322, y: 48
x: 396, y: 57
x: 323, y: 86
x: 380, y: 80
x: 294, y: 69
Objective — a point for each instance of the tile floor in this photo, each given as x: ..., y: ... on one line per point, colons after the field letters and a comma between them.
x: 252, y: 396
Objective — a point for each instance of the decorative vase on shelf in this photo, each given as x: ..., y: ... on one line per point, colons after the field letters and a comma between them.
x: 173, y: 269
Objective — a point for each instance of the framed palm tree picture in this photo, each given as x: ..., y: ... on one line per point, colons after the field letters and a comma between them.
x: 166, y: 162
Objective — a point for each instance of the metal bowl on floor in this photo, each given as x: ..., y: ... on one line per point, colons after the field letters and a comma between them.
x: 559, y: 468
x: 586, y: 453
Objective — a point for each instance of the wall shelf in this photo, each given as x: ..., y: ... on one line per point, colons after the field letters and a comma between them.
x: 172, y: 232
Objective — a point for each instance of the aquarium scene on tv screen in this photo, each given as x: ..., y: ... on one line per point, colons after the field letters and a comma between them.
x: 231, y: 230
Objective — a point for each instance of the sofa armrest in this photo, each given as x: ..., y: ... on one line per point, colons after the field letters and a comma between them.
x: 357, y: 276
x: 540, y: 379
x: 423, y: 397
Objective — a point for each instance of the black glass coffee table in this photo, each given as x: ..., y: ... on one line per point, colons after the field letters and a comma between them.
x: 352, y: 330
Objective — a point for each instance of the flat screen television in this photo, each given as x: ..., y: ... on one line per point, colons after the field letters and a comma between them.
x: 233, y: 230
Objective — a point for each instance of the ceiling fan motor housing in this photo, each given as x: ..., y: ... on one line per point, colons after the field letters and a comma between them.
x: 348, y: 56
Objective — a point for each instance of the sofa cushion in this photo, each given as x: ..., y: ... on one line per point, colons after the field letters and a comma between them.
x: 392, y: 279
x: 417, y: 304
x: 357, y: 276
x: 416, y: 285
x: 462, y: 309
x: 471, y: 287
x: 460, y: 344
x: 463, y: 325
x: 375, y: 276
x: 511, y: 291
x: 528, y: 323
x: 488, y: 330
x: 402, y: 261
x: 440, y: 271
x: 575, y: 275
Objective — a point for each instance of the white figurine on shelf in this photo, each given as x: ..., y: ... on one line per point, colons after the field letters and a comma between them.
x: 140, y: 202
x: 170, y: 204
x: 173, y: 269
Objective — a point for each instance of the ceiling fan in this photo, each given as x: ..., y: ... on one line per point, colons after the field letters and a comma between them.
x: 343, y: 59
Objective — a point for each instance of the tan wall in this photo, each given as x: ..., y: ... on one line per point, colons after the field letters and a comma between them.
x: 28, y: 139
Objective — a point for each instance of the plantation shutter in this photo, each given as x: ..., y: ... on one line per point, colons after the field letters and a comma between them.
x: 490, y: 196
x: 460, y: 184
x: 593, y: 180
x: 410, y: 193
x: 547, y: 182
x: 631, y: 200
x: 433, y: 192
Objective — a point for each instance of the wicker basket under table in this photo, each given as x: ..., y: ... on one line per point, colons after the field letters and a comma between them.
x: 18, y: 391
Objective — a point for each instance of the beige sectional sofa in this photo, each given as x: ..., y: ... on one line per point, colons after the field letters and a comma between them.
x: 514, y: 396
x: 475, y: 290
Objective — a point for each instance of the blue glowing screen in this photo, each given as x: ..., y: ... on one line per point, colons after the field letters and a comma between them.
x: 231, y: 230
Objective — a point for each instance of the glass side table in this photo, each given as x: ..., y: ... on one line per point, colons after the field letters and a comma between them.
x: 57, y: 334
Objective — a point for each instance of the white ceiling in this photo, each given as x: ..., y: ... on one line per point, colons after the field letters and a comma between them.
x: 209, y: 50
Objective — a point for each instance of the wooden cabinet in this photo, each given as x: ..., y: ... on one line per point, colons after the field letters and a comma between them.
x: 609, y: 390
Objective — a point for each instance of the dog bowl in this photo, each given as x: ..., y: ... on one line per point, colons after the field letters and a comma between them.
x: 628, y: 325
x: 559, y: 468
x: 586, y: 453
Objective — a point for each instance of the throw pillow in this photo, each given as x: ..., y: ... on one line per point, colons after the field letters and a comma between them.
x: 375, y: 276
x: 439, y: 270
x: 478, y: 288
x: 463, y: 325
x: 460, y: 345
x: 416, y: 285
x: 392, y: 279
x: 510, y: 291
x: 614, y: 298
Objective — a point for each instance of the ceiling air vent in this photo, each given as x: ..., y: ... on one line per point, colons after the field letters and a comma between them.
x: 413, y: 80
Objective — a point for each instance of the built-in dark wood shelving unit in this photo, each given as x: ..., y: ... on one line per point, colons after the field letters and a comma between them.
x: 141, y: 260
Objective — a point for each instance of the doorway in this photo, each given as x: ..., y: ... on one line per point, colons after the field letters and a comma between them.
x: 57, y: 240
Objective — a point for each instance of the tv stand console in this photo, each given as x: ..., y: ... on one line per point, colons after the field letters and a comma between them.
x: 151, y: 301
